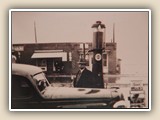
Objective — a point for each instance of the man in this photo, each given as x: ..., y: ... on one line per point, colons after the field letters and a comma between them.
x: 85, y: 78
x: 14, y: 58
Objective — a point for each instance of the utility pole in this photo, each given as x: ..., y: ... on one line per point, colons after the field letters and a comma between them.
x: 35, y: 32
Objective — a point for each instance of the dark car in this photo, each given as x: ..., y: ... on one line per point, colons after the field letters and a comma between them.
x: 31, y: 90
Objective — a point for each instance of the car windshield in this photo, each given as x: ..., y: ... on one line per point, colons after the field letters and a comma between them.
x: 41, y: 81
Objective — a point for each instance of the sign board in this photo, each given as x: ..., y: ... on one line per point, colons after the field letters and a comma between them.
x: 18, y: 48
x: 98, y: 57
x: 136, y: 85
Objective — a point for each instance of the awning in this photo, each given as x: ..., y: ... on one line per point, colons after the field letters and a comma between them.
x: 62, y: 55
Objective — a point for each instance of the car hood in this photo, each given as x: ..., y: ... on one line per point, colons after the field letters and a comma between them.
x: 64, y: 92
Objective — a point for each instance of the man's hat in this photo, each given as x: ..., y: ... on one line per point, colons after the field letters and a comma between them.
x: 82, y: 61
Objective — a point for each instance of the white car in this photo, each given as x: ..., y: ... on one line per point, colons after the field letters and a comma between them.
x: 31, y: 90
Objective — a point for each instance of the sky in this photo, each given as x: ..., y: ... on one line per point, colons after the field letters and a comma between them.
x: 131, y: 31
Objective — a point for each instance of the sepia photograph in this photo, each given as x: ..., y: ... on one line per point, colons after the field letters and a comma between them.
x: 80, y: 60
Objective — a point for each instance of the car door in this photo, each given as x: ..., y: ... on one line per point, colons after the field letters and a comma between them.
x: 23, y: 94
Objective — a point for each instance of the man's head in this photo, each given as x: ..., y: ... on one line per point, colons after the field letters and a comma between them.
x: 82, y: 64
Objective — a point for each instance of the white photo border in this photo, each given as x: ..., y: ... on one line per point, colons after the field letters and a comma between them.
x: 82, y: 10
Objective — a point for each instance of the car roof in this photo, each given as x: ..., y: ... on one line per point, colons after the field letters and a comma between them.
x: 24, y: 69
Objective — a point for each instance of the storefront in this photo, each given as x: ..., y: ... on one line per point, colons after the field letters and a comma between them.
x: 62, y: 58
x: 51, y: 61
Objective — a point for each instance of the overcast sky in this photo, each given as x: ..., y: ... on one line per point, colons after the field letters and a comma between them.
x: 131, y: 30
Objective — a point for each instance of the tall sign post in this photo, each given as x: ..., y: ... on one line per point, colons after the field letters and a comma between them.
x: 97, y: 49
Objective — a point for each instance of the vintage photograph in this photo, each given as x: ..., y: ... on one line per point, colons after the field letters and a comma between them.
x: 80, y: 59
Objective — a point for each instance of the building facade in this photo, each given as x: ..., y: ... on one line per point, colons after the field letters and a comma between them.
x: 62, y: 58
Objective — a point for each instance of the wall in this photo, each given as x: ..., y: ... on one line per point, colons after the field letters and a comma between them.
x: 71, y: 67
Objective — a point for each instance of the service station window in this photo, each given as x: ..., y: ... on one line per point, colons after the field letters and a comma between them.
x: 104, y: 59
x: 43, y: 62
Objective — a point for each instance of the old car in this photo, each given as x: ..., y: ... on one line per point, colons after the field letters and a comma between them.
x: 30, y: 89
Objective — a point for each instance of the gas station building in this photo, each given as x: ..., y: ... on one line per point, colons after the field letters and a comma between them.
x: 62, y: 58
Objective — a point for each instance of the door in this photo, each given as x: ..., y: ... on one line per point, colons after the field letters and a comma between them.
x: 22, y: 93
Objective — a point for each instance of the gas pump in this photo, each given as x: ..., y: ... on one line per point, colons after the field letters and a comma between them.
x: 97, y: 49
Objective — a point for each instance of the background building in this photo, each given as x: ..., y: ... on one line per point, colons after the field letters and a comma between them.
x: 62, y: 58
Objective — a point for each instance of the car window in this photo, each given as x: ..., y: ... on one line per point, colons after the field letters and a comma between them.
x: 41, y: 81
x: 20, y: 87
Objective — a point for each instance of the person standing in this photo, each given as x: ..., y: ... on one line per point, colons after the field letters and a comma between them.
x: 14, y: 58
x: 85, y: 78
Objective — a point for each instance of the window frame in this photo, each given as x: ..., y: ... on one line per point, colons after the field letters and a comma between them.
x: 26, y: 80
